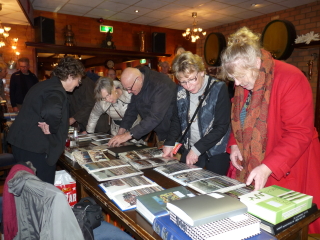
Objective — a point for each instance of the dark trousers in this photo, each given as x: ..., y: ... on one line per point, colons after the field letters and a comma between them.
x: 218, y: 163
x: 45, y: 172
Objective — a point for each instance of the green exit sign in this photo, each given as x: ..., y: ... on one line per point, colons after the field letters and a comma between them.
x: 104, y: 28
x: 142, y: 61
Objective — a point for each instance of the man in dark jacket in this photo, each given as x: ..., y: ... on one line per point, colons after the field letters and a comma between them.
x: 154, y: 99
x: 40, y: 130
x: 20, y: 83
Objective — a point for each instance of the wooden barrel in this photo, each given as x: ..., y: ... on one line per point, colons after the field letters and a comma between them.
x: 214, y: 44
x: 278, y: 38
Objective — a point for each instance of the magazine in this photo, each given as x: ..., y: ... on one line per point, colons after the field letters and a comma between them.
x: 124, y: 191
x: 83, y: 157
x: 141, y: 154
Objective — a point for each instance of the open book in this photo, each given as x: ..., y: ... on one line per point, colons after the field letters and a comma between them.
x: 83, y: 157
x: 124, y: 191
x: 101, y: 165
x: 152, y: 162
x: 115, y: 172
x: 145, y: 153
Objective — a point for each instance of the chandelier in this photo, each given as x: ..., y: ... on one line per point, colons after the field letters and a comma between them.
x: 193, y: 33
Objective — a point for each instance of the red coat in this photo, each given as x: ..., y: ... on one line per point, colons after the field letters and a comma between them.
x: 293, y: 149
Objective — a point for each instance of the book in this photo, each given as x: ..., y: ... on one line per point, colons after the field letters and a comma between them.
x: 184, y: 174
x: 152, y: 162
x: 153, y: 205
x: 123, y: 192
x: 209, y: 207
x: 115, y: 172
x: 168, y: 230
x: 101, y: 165
x: 278, y: 228
x: 238, y: 227
x: 84, y: 157
x: 125, y: 148
x: 145, y: 153
x: 275, y: 204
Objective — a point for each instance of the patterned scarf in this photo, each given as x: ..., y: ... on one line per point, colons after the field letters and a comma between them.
x: 252, y: 137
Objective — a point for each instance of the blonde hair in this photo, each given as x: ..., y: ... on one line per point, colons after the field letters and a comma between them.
x: 187, y: 63
x: 241, y: 54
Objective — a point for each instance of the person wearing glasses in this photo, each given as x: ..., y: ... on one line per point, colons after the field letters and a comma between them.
x: 204, y: 142
x: 20, y: 83
x: 40, y: 130
x: 111, y: 99
x: 154, y: 98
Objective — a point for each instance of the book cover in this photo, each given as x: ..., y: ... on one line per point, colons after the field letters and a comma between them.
x: 97, y: 155
x: 82, y: 157
x: 153, y: 205
x: 224, y: 207
x: 168, y: 230
x: 272, y: 208
x: 96, y: 166
x: 117, y: 172
x: 125, y: 148
x: 215, y: 184
x: 238, y: 227
x: 186, y: 177
x: 277, y: 228
x: 175, y: 168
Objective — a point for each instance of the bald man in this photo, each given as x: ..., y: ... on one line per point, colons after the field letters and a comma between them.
x: 154, y: 98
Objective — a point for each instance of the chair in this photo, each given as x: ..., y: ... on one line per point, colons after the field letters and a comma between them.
x: 42, y: 210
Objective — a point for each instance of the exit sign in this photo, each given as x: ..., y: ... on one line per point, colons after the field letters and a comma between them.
x: 104, y: 28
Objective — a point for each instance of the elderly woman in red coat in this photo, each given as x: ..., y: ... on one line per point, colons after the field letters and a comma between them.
x: 273, y: 139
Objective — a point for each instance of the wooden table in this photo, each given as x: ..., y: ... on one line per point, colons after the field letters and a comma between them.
x: 135, y: 223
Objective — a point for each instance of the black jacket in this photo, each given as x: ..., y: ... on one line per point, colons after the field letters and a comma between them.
x: 154, y: 104
x: 81, y: 102
x: 20, y: 84
x: 45, y: 102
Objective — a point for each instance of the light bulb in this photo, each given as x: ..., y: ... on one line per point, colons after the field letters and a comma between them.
x: 15, y: 39
x: 184, y: 34
x: 204, y: 33
x: 14, y: 47
x: 7, y: 29
x: 17, y: 53
x: 1, y: 30
x: 5, y: 34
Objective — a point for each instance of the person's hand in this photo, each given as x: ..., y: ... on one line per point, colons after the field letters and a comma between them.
x: 191, y: 157
x: 84, y: 132
x: 118, y: 139
x: 15, y: 109
x: 260, y: 176
x: 72, y: 121
x: 44, y: 127
x: 121, y: 131
x: 235, y: 155
x: 167, y: 151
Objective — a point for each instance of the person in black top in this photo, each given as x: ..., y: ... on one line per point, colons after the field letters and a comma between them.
x: 20, y: 83
x: 154, y: 98
x: 40, y: 130
x: 204, y: 144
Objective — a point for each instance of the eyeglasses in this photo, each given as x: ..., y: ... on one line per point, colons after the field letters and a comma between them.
x: 130, y: 89
x: 193, y: 80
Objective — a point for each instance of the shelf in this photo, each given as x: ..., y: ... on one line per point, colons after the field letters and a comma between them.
x: 312, y: 44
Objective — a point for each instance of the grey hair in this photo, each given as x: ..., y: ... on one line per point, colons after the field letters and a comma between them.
x: 103, y: 83
x: 242, y: 51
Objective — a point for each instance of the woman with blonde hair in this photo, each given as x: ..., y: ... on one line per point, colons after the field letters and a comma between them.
x: 203, y: 116
x: 273, y: 140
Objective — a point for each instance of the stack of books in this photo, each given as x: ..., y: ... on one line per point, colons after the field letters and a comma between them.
x: 278, y: 207
x: 212, y: 216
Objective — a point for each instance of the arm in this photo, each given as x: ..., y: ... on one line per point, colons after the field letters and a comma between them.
x: 160, y: 103
x: 130, y: 115
x: 51, y: 110
x: 95, y: 114
x: 220, y: 125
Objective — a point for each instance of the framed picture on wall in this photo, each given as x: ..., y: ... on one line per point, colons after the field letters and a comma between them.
x: 118, y: 73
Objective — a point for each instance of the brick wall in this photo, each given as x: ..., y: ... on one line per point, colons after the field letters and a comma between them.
x: 305, y: 18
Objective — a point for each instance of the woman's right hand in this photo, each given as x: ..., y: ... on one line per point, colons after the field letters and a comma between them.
x: 167, y: 151
x: 235, y: 155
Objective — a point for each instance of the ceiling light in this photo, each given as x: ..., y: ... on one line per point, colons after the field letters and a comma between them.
x: 253, y: 5
x: 137, y: 11
x: 194, y: 33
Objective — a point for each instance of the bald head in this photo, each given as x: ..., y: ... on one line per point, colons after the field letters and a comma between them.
x: 132, y: 80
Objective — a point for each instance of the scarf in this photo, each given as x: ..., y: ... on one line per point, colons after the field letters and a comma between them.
x: 252, y: 137
x: 10, y: 222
